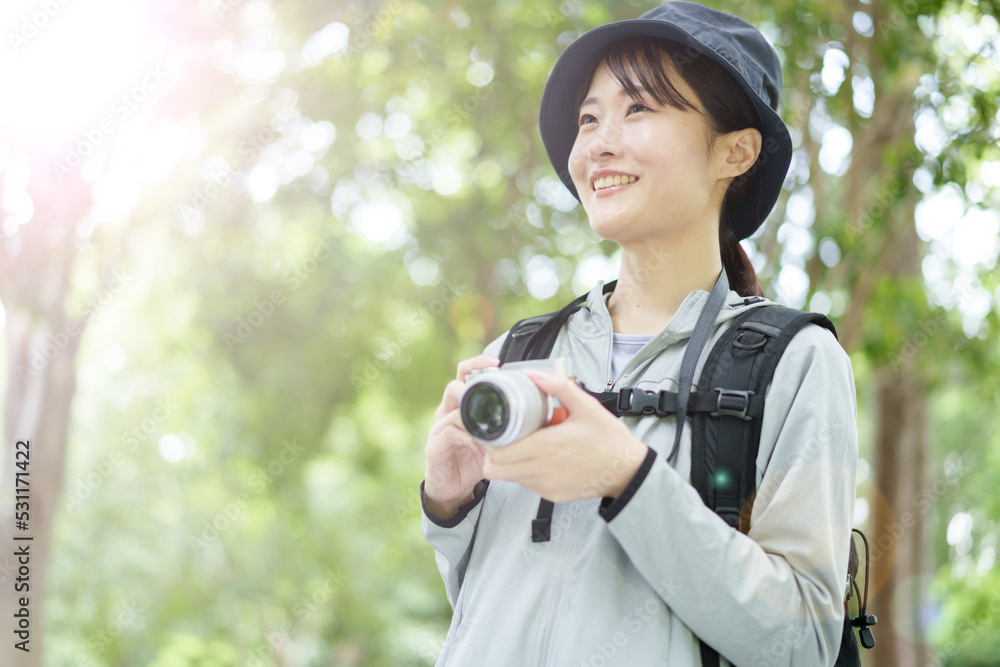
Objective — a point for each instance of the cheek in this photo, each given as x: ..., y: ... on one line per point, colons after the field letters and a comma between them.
x: 578, y: 165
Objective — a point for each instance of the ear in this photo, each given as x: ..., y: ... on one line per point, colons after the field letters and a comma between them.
x: 739, y: 150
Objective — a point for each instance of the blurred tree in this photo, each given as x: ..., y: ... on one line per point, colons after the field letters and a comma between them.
x: 349, y: 199
x: 858, y: 78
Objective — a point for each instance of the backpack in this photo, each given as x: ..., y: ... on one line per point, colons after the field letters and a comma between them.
x: 726, y: 410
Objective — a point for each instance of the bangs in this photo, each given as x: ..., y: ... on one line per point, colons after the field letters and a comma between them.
x: 637, y: 64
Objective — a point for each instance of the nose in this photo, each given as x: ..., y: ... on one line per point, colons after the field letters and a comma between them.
x: 606, y: 142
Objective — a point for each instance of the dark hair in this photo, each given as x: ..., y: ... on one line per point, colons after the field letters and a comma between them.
x: 727, y: 109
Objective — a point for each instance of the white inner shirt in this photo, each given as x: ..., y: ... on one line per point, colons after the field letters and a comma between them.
x: 624, y: 348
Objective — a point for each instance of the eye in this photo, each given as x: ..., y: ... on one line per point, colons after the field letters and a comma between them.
x: 636, y: 107
x: 586, y: 118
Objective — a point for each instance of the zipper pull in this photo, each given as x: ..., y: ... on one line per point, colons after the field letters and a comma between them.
x: 609, y: 385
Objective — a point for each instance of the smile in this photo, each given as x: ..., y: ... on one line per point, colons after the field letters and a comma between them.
x: 611, y: 181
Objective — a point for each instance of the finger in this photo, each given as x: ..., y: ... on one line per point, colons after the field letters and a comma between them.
x: 521, y: 472
x: 451, y: 430
x: 522, y: 450
x: 566, y: 389
x: 475, y: 363
x: 451, y: 399
x: 453, y: 419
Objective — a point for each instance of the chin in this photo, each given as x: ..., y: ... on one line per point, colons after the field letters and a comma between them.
x: 612, y: 230
x: 619, y: 226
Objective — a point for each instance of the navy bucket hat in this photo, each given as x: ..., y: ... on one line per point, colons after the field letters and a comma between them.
x: 731, y: 42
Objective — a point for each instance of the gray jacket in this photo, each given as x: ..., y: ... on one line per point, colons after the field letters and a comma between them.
x: 638, y: 582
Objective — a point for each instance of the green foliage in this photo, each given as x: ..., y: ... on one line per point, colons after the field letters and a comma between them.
x: 300, y: 344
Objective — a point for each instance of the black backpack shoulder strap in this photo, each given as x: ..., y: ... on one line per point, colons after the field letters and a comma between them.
x: 516, y: 344
x: 741, y: 365
x: 534, y: 337
x: 725, y: 443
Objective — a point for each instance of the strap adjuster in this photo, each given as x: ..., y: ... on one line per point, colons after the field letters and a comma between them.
x: 733, y: 403
x: 730, y: 515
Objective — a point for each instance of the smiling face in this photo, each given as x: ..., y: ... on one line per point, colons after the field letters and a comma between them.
x: 644, y: 170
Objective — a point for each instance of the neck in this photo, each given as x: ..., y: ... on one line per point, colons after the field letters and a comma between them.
x: 656, y: 276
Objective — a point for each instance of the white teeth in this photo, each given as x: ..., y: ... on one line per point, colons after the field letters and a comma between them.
x: 610, y: 181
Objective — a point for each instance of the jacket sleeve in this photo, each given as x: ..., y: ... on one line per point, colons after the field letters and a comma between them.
x: 774, y: 596
x: 453, y: 538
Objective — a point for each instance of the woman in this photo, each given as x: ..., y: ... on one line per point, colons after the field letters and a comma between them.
x: 665, y: 128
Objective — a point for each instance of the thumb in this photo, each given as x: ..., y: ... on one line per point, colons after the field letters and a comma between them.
x: 569, y: 393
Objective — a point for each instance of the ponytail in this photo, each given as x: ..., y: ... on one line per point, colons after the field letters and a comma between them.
x: 742, y: 277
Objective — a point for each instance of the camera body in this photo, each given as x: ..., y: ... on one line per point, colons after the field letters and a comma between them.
x: 502, y: 405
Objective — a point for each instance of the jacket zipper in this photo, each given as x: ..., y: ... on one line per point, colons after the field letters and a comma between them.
x: 547, y: 642
x: 610, y: 365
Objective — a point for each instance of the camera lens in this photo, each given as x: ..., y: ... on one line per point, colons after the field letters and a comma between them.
x: 485, y: 411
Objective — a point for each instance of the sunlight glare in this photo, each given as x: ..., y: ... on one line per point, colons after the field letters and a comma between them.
x: 68, y: 70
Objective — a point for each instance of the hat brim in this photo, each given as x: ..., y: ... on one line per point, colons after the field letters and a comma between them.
x: 558, y: 115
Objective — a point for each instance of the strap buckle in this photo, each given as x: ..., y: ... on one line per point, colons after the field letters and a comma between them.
x: 635, y: 402
x: 733, y: 403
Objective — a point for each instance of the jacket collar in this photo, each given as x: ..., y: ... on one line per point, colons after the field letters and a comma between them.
x: 594, y: 320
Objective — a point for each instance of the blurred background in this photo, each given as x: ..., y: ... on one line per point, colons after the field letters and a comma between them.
x: 244, y: 244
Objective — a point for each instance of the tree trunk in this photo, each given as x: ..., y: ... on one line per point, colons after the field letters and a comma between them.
x: 41, y: 381
x: 899, y: 501
x: 897, y: 527
x: 36, y: 410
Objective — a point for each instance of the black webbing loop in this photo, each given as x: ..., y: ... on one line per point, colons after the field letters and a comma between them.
x: 541, y: 527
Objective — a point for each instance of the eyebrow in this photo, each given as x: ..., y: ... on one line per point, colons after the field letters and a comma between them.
x: 621, y: 93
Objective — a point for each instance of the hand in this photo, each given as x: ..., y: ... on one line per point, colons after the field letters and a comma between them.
x: 454, y: 461
x: 589, y: 455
